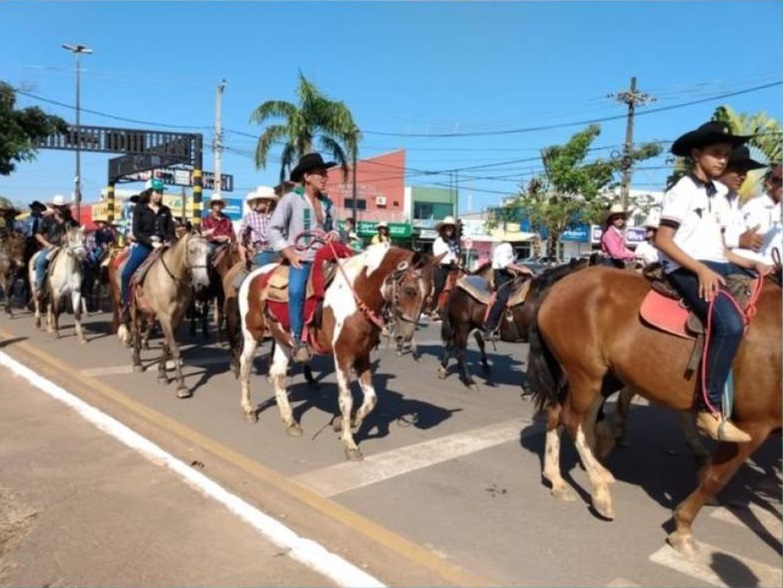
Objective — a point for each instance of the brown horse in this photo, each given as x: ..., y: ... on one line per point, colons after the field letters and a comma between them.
x: 381, y: 281
x: 219, y: 266
x: 165, y: 294
x: 465, y: 313
x: 588, y: 339
x: 12, y: 249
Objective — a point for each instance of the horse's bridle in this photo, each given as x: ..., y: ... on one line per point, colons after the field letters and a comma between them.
x: 391, y: 292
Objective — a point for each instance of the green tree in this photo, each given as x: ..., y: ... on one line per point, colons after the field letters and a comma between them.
x: 21, y: 129
x: 572, y: 190
x: 315, y: 118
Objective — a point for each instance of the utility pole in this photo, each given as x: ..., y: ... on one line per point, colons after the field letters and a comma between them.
x: 353, y: 178
x: 217, y: 146
x: 631, y: 97
x: 78, y: 51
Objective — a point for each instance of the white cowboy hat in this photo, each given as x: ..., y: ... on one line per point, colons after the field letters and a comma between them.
x: 58, y: 200
x: 614, y: 211
x: 216, y: 198
x: 449, y: 220
x: 382, y: 224
x: 261, y: 193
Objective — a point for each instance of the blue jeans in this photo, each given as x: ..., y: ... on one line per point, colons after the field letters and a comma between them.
x: 97, y: 253
x: 297, y: 288
x: 726, y: 329
x: 263, y: 258
x: 138, y: 253
x: 41, y: 263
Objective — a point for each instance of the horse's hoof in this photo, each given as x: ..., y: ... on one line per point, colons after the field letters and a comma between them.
x: 251, y: 417
x: 82, y: 340
x: 163, y: 380
x: 442, y: 373
x: 603, y: 506
x: 473, y: 387
x: 138, y: 368
x: 337, y: 424
x: 683, y: 543
x: 563, y: 493
x: 399, y: 354
x: 184, y: 393
x: 294, y: 430
x: 354, y: 454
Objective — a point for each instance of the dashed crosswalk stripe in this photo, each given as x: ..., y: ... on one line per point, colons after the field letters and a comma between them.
x: 347, y: 476
x: 718, y: 568
x: 752, y: 516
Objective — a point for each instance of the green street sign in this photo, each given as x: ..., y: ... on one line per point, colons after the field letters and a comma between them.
x: 396, y: 230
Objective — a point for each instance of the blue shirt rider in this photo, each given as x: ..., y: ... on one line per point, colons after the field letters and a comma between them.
x: 153, y: 225
x: 49, y: 235
x: 104, y: 238
x: 301, y: 210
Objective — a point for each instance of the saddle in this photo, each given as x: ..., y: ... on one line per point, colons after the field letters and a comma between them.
x: 274, y: 289
x: 479, y: 289
x: 220, y: 253
x: 663, y: 308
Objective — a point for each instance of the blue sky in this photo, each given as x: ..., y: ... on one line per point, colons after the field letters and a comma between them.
x: 407, y: 70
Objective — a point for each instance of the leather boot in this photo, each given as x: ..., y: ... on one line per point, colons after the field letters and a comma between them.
x: 301, y: 353
x: 720, y: 429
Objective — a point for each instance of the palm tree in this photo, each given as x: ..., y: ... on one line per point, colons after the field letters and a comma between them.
x: 316, y: 117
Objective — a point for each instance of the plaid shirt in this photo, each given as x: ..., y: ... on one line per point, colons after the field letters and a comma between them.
x: 258, y: 225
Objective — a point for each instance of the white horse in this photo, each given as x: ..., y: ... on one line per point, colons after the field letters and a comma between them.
x: 64, y: 276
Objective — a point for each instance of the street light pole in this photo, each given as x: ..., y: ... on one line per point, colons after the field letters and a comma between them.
x: 78, y: 50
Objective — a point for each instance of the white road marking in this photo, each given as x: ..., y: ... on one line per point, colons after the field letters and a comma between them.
x: 622, y: 583
x: 753, y: 517
x: 719, y: 568
x: 347, y: 476
x: 301, y: 549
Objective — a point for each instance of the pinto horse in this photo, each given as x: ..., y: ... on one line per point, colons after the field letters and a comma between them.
x: 465, y: 313
x: 589, y: 340
x: 382, y: 281
x: 165, y: 294
x: 12, y: 246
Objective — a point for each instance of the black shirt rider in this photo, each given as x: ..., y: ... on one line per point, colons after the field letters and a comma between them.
x: 148, y: 224
x: 53, y: 229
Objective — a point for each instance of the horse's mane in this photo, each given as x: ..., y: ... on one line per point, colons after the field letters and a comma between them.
x: 551, y: 275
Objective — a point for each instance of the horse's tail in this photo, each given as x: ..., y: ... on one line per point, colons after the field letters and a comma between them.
x: 544, y: 374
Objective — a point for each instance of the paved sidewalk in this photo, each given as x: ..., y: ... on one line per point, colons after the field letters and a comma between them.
x: 79, y: 508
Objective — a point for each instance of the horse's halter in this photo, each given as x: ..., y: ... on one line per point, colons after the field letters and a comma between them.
x: 391, y: 292
x: 71, y: 249
x: 188, y: 267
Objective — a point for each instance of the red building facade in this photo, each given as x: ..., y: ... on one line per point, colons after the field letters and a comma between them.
x: 380, y: 189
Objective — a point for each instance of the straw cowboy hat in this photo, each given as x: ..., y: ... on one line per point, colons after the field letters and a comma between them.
x: 261, y: 193
x: 740, y: 159
x: 615, y: 210
x: 710, y: 133
x: 449, y: 220
x: 308, y: 163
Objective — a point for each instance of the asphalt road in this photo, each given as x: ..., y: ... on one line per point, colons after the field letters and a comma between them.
x: 450, y: 491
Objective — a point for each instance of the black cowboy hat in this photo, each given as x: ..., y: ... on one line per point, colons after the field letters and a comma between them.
x: 309, y: 162
x: 135, y: 198
x: 710, y: 133
x: 36, y: 204
x: 740, y: 159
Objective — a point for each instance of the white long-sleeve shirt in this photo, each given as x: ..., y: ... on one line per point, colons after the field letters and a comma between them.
x: 440, y: 246
x: 765, y: 213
